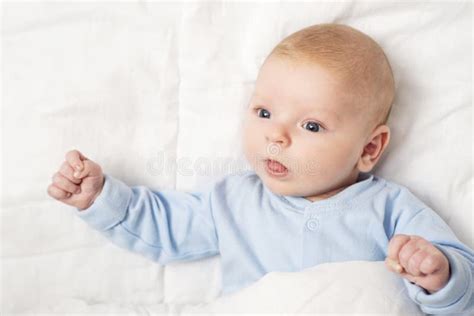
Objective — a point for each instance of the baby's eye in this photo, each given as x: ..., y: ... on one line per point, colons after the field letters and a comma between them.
x: 263, y: 113
x: 312, y: 126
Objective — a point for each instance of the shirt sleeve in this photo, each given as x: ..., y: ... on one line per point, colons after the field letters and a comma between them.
x: 456, y: 296
x: 164, y: 225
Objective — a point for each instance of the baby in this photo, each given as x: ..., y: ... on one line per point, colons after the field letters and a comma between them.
x: 314, y: 129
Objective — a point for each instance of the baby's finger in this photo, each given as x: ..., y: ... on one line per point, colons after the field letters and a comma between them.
x: 414, y: 262
x: 75, y: 158
x: 393, y: 265
x: 90, y: 169
x: 395, y: 244
x: 67, y: 171
x: 63, y: 183
x: 431, y: 263
x: 407, y: 251
x: 58, y: 193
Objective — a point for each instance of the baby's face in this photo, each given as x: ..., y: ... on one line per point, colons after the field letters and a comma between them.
x: 302, y: 135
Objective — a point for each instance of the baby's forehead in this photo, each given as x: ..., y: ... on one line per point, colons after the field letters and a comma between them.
x: 302, y: 82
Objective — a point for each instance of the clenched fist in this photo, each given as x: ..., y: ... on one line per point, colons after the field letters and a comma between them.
x: 78, y: 182
x: 419, y: 261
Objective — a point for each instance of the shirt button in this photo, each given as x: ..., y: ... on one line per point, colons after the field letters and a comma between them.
x: 312, y: 224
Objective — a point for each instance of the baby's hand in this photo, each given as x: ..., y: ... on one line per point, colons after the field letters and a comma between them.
x: 419, y: 261
x: 78, y: 182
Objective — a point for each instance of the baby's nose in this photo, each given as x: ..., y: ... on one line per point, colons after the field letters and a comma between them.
x: 278, y: 137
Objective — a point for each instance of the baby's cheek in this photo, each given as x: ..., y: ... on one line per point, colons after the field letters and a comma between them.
x: 319, y: 171
x: 339, y: 156
x: 309, y: 163
x: 249, y: 148
x: 309, y: 167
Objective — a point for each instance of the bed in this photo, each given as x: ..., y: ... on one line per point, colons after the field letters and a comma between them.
x: 141, y: 88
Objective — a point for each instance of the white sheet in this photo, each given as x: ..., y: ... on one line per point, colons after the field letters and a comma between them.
x: 138, y: 85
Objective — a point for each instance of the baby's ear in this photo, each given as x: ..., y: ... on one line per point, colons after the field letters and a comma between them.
x: 374, y: 148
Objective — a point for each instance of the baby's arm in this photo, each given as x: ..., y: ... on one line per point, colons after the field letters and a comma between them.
x: 163, y: 225
x: 449, y: 289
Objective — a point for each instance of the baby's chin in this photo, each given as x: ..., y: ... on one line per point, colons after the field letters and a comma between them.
x: 285, y: 187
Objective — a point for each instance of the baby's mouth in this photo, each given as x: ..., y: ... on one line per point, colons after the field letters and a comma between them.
x: 275, y: 167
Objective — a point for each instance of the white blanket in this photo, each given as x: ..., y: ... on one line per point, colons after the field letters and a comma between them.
x: 138, y: 86
x: 355, y: 287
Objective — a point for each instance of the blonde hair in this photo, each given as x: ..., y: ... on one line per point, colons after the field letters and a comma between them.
x: 353, y: 56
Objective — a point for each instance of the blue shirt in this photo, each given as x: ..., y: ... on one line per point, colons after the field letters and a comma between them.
x: 256, y: 231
